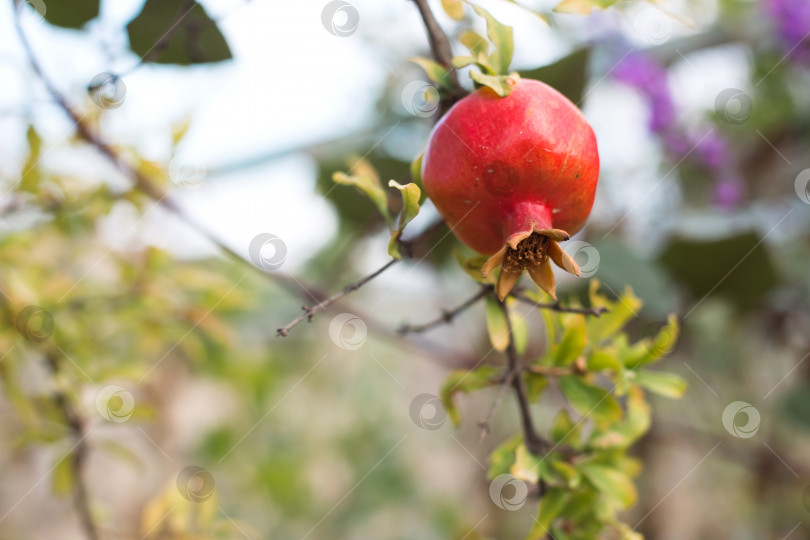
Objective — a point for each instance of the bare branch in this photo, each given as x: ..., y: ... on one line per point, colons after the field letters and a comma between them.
x: 596, y: 312
x: 309, y: 312
x: 447, y: 316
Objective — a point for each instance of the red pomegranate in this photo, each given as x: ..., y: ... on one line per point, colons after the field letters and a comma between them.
x: 514, y: 176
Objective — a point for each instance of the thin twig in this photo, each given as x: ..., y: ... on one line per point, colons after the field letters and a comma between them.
x: 310, y: 312
x: 596, y: 312
x: 447, y: 316
x: 534, y: 442
x: 81, y: 498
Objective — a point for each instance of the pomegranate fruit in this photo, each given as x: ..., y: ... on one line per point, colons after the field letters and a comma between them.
x: 514, y: 176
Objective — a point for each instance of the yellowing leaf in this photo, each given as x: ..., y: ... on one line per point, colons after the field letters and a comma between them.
x: 410, y: 208
x: 435, y: 71
x: 665, y: 384
x: 454, y: 8
x: 613, y: 483
x: 501, y: 37
x: 363, y: 176
x: 496, y: 325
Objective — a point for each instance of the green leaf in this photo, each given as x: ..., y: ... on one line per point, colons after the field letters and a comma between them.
x: 520, y: 328
x: 454, y: 8
x: 590, y: 401
x: 410, y: 209
x: 568, y: 472
x: 177, y: 32
x: 603, y: 359
x: 501, y: 37
x: 551, y: 505
x: 435, y: 71
x: 497, y: 83
x: 568, y: 75
x: 617, y: 487
x: 664, y: 384
x: 475, y: 43
x: 571, y: 344
x: 472, y: 267
x: 625, y: 433
x: 465, y: 381
x: 363, y: 176
x: 497, y: 328
x: 73, y: 14
x: 602, y: 327
x: 63, y: 478
x: 527, y: 466
x: 502, y: 458
x: 565, y: 431
x: 535, y: 384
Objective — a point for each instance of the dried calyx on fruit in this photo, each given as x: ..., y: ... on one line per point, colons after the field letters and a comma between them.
x: 512, y: 177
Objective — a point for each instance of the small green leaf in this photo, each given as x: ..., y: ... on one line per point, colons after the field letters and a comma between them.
x: 602, y: 359
x: 502, y: 458
x: 177, y: 32
x: 565, y: 431
x: 571, y: 344
x: 535, y: 384
x: 410, y: 209
x: 602, y: 327
x: 475, y: 43
x: 496, y: 325
x: 568, y: 472
x: 527, y: 466
x: 617, y: 487
x: 454, y: 8
x: 435, y: 71
x: 625, y: 433
x: 73, y: 14
x: 497, y: 83
x: 472, y: 267
x: 63, y: 478
x: 363, y: 176
x: 501, y: 37
x: 465, y: 381
x: 416, y: 174
x: 551, y: 505
x: 520, y: 329
x: 590, y: 401
x: 664, y: 384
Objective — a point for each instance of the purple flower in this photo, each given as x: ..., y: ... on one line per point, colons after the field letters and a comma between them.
x: 712, y: 149
x: 728, y: 193
x: 792, y: 18
x: 650, y: 78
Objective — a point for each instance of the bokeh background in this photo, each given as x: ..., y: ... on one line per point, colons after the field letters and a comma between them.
x: 133, y: 350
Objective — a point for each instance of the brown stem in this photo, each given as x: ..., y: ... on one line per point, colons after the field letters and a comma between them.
x: 596, y: 312
x: 310, y: 312
x: 439, y: 44
x: 447, y: 316
x: 533, y: 441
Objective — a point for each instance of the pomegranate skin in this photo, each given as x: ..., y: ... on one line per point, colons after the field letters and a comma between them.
x: 502, y: 167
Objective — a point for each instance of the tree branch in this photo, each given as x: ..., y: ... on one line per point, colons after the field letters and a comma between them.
x: 439, y: 44
x: 533, y: 441
x: 596, y: 312
x: 447, y: 316
x: 309, y: 312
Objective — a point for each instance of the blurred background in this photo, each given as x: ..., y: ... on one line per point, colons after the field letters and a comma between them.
x: 135, y: 352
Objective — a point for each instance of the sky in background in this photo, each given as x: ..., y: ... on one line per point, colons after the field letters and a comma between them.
x: 292, y: 84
